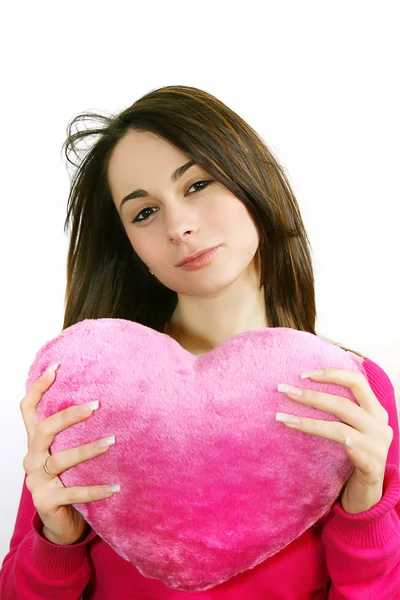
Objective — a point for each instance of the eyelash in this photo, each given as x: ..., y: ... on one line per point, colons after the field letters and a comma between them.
x: 149, y: 207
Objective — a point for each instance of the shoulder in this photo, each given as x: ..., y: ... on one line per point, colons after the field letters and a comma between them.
x: 359, y: 358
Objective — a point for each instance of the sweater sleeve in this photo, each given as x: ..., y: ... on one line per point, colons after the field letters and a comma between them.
x: 363, y: 550
x: 35, y: 568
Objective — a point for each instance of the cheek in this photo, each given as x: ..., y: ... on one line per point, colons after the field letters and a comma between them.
x: 140, y: 246
x: 239, y: 225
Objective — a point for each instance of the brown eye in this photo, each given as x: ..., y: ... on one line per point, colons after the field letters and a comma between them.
x: 197, y: 183
x: 136, y: 220
x: 149, y: 208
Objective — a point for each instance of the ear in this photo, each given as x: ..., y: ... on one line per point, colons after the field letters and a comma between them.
x: 359, y: 358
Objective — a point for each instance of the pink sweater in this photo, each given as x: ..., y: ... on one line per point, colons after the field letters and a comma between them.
x: 342, y: 557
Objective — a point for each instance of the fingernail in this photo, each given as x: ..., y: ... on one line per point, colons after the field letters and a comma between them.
x: 113, y: 488
x: 316, y: 373
x: 52, y: 368
x: 89, y: 406
x: 349, y: 442
x: 108, y: 441
x: 287, y: 418
x: 289, y: 389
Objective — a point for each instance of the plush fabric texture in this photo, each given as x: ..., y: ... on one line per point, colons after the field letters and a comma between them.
x: 203, y: 465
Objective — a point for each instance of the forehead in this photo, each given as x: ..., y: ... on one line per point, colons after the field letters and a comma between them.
x: 139, y: 154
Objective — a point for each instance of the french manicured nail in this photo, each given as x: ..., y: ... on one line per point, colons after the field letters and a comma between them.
x: 289, y: 389
x: 349, y: 442
x: 113, y: 488
x: 52, y: 368
x: 108, y: 441
x: 316, y: 373
x: 89, y: 406
x: 287, y: 418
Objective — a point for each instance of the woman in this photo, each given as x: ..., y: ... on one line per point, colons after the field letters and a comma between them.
x: 175, y: 175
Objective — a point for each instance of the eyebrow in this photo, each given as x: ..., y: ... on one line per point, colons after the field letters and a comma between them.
x: 174, y: 177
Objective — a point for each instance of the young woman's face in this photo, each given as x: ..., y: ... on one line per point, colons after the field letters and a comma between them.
x: 178, y: 218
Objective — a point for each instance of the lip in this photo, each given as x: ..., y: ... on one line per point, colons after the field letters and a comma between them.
x: 195, y: 255
x: 201, y: 261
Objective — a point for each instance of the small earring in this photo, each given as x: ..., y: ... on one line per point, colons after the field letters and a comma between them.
x: 151, y: 271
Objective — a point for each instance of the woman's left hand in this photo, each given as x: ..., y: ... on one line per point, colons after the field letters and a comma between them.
x: 364, y: 432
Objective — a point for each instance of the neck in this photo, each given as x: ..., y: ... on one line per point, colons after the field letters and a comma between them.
x: 201, y: 327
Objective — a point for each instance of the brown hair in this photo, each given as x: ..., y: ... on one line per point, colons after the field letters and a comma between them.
x: 105, y: 276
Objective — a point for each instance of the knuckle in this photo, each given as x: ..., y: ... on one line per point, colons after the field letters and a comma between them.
x: 90, y: 493
x: 340, y: 431
x: 342, y: 403
x: 316, y: 397
x: 68, y: 415
x: 38, y: 387
x: 33, y: 395
x: 25, y: 402
x: 25, y: 463
x: 382, y: 416
x: 39, y: 499
x: 42, y: 428
x: 74, y: 494
x: 66, y: 496
x: 360, y: 378
x: 390, y: 433
x: 28, y: 483
x: 64, y: 417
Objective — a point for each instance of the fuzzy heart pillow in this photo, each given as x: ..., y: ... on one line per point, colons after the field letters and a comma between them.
x: 211, y: 483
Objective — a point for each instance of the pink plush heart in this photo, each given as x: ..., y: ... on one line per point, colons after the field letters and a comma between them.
x: 211, y: 484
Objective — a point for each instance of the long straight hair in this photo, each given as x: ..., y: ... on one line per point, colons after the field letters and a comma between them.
x: 105, y: 276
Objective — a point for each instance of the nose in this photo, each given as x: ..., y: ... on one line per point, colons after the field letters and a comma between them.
x: 181, y: 225
x: 180, y: 233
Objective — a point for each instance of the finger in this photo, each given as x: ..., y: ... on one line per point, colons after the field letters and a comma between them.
x: 48, y: 428
x: 61, y: 496
x: 370, y: 467
x: 374, y: 446
x: 344, y: 409
x: 358, y: 385
x: 330, y: 430
x: 65, y: 459
x: 28, y: 404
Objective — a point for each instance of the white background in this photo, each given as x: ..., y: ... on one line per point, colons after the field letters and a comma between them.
x: 318, y: 81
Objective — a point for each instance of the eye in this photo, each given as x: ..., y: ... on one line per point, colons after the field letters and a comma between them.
x: 148, y: 208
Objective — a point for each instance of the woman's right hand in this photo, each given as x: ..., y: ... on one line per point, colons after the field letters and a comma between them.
x: 62, y: 523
